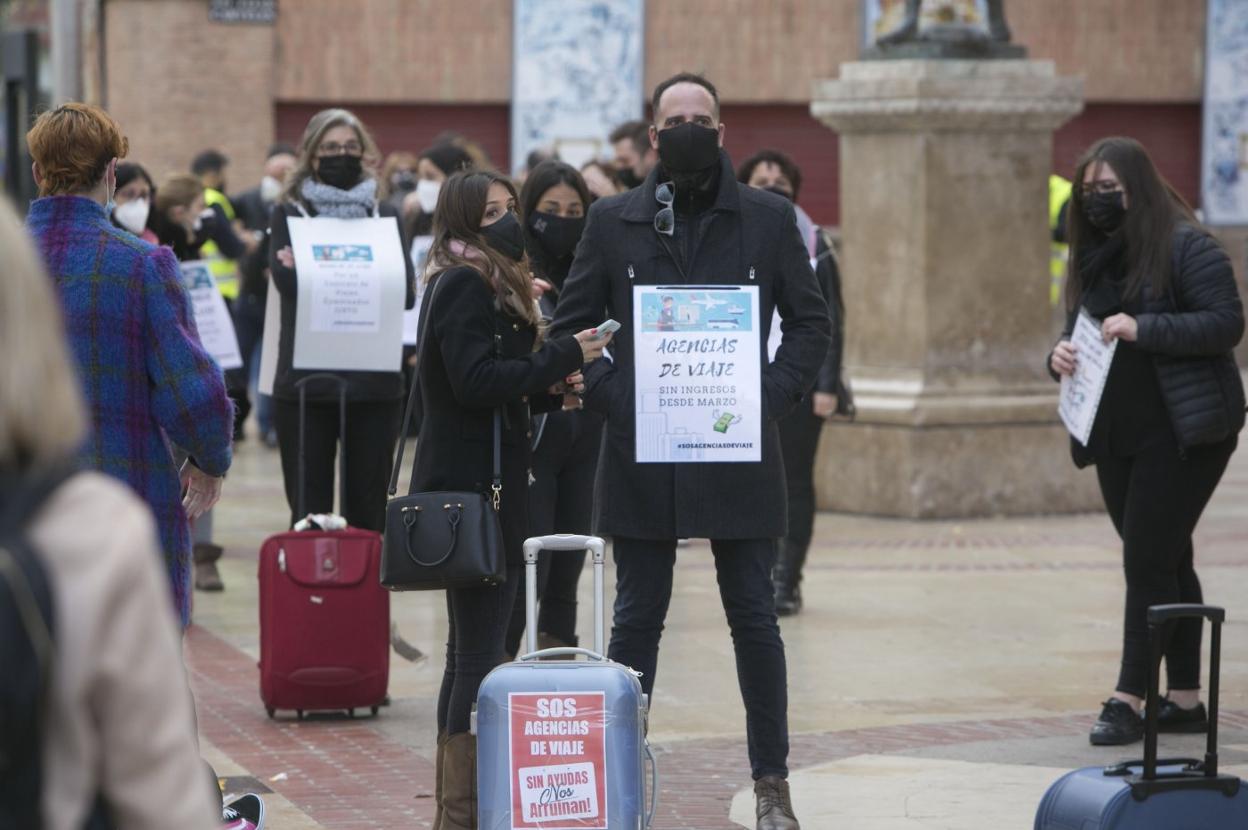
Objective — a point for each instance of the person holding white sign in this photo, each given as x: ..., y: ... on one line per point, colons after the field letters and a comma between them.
x: 1171, y: 408
x: 693, y: 264
x: 331, y: 183
x: 482, y: 355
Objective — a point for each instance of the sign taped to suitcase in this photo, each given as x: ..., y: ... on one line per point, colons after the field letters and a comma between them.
x: 558, y: 760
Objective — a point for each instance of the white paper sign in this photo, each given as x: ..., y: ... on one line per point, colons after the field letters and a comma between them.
x: 1081, y: 392
x: 352, y: 280
x: 212, y: 318
x: 774, y: 335
x: 698, y: 373
x: 270, y: 344
x: 411, y: 317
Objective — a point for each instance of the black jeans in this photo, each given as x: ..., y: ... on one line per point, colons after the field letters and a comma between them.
x: 474, y: 645
x: 743, y: 570
x: 799, y: 442
x: 372, y: 428
x: 1155, y: 497
x: 561, y: 500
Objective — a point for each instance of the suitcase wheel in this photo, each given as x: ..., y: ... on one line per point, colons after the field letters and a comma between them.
x: 299, y: 713
x: 375, y: 710
x: 272, y: 712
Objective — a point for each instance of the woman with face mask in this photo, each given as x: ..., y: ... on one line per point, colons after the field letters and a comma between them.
x: 482, y: 352
x: 333, y: 178
x: 397, y: 179
x: 1171, y: 409
x: 434, y: 165
x: 133, y: 201
x: 553, y: 204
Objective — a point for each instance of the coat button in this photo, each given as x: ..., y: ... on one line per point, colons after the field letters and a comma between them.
x: 515, y: 327
x: 524, y: 398
x: 529, y: 434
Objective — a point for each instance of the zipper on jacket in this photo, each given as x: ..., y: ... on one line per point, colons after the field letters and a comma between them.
x: 631, y: 275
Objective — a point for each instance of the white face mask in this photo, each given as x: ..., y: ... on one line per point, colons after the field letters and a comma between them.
x: 133, y: 215
x: 270, y: 189
x: 427, y: 191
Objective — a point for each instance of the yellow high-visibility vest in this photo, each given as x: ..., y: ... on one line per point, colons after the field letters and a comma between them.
x: 1059, y: 252
x: 224, y: 271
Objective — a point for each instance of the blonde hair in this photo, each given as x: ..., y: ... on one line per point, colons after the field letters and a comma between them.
x: 321, y: 123
x: 42, y: 415
x: 178, y: 190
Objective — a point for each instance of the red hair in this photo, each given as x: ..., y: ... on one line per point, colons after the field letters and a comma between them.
x: 72, y: 145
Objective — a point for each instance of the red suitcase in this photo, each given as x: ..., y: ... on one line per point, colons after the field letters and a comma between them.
x: 324, y: 617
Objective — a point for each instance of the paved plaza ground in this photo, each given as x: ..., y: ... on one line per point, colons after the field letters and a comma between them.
x: 941, y: 676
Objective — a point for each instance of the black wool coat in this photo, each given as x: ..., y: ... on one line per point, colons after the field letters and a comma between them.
x: 1190, y: 332
x: 750, y: 238
x: 464, y: 375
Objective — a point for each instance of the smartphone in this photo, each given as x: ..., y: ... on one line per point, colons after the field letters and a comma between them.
x: 605, y: 328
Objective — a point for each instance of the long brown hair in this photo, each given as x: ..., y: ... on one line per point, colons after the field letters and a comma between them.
x: 321, y: 123
x: 457, y: 218
x: 1154, y: 209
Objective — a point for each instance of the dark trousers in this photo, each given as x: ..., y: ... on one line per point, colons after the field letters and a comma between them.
x: 1155, y: 497
x: 248, y: 314
x: 743, y: 570
x: 799, y: 441
x: 474, y: 645
x: 561, y: 500
x: 372, y: 428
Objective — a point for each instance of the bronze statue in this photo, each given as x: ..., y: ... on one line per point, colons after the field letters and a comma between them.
x: 954, y: 40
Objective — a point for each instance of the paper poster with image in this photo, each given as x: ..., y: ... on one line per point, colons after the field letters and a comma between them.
x: 352, y: 278
x: 212, y: 317
x: 698, y: 373
x: 558, y: 755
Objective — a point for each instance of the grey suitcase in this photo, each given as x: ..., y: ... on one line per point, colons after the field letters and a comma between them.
x: 561, y: 744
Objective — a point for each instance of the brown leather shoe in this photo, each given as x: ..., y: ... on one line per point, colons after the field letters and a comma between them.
x: 207, y: 577
x: 773, y: 806
x: 438, y: 765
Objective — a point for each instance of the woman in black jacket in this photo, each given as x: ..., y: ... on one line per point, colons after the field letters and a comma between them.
x: 1171, y: 410
x: 482, y: 352
x: 330, y: 179
x: 553, y: 203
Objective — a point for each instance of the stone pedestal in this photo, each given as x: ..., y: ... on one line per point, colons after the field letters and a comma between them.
x: 944, y: 217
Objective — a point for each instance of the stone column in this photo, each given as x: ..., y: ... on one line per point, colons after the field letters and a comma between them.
x: 944, y: 170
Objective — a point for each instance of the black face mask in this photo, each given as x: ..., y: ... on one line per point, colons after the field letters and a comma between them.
x: 1105, y: 210
x: 343, y: 171
x: 404, y: 182
x: 629, y: 178
x: 779, y: 191
x: 688, y: 149
x: 506, y: 236
x: 557, y: 235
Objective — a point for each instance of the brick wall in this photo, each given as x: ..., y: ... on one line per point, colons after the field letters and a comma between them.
x: 178, y: 84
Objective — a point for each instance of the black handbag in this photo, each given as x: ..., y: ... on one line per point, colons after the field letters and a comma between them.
x: 444, y: 539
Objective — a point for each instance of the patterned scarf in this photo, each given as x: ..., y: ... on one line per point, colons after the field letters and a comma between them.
x: 356, y: 203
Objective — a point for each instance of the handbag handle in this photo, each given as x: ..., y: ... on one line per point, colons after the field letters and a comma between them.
x: 408, y: 523
x: 496, y: 485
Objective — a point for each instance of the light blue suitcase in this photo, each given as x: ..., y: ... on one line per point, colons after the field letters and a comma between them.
x: 1170, y: 794
x: 561, y: 744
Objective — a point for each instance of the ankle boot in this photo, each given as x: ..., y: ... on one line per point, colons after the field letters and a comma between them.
x: 438, y: 763
x: 207, y: 577
x: 786, y: 578
x: 459, y: 782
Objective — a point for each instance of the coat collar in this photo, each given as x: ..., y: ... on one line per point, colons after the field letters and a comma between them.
x: 61, y: 209
x: 641, y: 205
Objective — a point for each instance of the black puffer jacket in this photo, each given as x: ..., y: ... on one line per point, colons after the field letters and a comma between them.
x: 1190, y: 333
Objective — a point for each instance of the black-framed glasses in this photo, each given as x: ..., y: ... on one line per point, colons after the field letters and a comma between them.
x: 333, y: 148
x: 665, y: 219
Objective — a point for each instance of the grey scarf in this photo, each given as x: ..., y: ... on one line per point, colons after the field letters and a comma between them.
x: 356, y: 203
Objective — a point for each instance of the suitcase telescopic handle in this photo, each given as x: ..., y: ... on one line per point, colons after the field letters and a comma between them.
x: 1160, y: 620
x: 562, y: 651
x: 563, y: 542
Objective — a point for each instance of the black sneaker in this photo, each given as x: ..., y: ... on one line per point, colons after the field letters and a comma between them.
x: 244, y: 813
x: 1174, y: 718
x: 788, y: 599
x: 1118, y: 724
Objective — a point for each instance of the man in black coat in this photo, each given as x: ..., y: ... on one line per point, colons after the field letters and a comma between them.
x: 718, y: 233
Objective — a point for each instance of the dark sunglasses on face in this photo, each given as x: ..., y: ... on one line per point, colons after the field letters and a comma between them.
x: 665, y: 219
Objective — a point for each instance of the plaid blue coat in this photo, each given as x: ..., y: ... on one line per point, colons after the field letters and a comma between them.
x: 146, y: 378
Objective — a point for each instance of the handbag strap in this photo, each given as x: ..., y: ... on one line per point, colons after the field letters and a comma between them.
x: 496, y: 484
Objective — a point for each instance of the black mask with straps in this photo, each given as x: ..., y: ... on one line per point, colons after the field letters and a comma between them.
x: 506, y: 236
x: 343, y: 171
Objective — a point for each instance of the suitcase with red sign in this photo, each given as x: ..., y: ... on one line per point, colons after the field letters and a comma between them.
x: 324, y: 617
x: 561, y: 743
